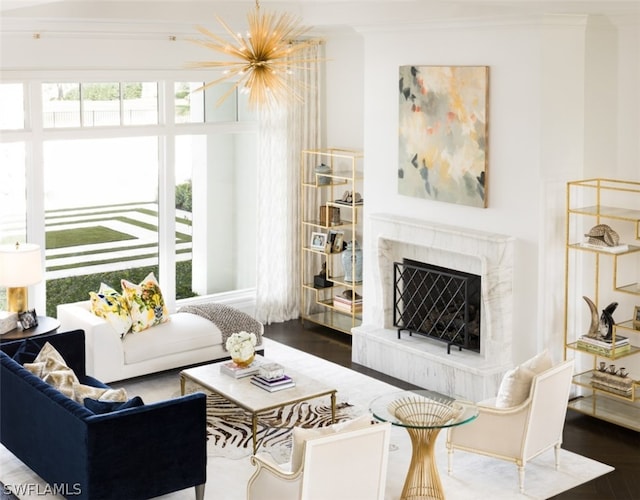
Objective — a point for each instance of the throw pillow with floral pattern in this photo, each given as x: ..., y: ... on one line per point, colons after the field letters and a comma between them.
x: 146, y: 304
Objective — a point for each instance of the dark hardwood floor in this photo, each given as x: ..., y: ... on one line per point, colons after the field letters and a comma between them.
x: 587, y: 436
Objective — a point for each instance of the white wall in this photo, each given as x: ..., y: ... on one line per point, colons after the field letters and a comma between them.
x: 550, y: 121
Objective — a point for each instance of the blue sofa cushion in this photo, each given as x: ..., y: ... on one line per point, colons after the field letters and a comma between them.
x: 27, y: 352
x: 98, y: 407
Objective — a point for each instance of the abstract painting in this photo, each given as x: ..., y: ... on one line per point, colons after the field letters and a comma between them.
x: 442, y: 146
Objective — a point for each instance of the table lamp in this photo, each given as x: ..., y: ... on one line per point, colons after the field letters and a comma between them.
x: 20, y: 266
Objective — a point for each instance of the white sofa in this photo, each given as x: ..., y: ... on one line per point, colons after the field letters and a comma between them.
x: 185, y: 339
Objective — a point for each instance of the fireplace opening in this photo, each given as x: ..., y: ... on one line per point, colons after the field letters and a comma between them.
x: 439, y: 303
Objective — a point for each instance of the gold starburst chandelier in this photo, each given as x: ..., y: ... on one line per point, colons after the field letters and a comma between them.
x: 262, y: 60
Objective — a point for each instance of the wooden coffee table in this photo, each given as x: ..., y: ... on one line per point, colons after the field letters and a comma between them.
x: 255, y: 400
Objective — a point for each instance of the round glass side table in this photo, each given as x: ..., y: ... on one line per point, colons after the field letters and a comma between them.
x: 422, y: 413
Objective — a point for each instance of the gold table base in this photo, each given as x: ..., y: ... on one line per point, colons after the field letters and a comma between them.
x: 423, y: 480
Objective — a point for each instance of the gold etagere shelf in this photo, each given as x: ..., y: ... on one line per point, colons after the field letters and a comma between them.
x: 596, y: 272
x: 326, y: 208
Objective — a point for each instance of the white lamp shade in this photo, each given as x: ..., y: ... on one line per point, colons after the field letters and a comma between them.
x: 20, y: 265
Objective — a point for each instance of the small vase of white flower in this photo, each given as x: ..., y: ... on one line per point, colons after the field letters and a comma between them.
x: 242, y: 348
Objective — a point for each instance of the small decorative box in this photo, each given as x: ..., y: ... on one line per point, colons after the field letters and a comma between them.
x: 8, y: 321
x: 271, y: 371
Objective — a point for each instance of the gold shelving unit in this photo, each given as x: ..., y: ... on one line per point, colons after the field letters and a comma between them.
x: 605, y: 276
x: 327, y: 188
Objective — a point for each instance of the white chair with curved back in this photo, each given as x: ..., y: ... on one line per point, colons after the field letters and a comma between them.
x: 521, y: 431
x: 334, y: 464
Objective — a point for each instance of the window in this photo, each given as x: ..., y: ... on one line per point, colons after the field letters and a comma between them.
x: 104, y: 215
x: 12, y: 106
x: 99, y: 104
x: 13, y: 206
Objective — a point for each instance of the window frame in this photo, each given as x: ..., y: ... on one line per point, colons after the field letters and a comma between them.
x: 34, y: 135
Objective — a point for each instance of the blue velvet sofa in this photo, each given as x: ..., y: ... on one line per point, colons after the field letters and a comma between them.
x: 132, y: 453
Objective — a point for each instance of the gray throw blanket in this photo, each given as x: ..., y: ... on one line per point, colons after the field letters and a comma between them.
x: 227, y: 319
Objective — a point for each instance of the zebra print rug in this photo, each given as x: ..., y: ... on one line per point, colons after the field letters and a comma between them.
x: 229, y: 427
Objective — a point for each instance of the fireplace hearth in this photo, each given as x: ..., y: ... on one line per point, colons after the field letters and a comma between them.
x: 470, y: 374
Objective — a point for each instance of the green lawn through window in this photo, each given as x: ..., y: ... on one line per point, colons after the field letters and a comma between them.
x: 84, y: 236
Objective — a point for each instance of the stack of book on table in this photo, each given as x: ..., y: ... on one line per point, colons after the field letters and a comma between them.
x: 271, y: 377
x: 604, y: 347
x: 235, y: 371
x: 344, y: 303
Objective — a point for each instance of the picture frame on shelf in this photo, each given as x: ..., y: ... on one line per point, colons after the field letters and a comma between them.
x: 28, y: 319
x: 318, y: 241
x: 636, y: 317
x: 337, y: 240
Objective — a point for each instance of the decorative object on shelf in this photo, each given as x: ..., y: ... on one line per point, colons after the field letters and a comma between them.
x: 612, y: 380
x: 443, y: 126
x: 28, y: 319
x: 350, y: 198
x: 20, y: 266
x: 352, y: 262
x: 320, y: 280
x: 602, y: 235
x: 318, y: 241
x: 594, y: 328
x: 261, y: 59
x: 636, y: 317
x: 329, y: 216
x: 606, y: 320
x: 323, y: 180
x: 242, y: 347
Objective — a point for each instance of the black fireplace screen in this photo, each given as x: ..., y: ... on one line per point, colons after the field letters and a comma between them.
x: 440, y: 303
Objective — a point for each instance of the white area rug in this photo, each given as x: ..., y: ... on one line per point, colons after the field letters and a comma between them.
x: 474, y: 477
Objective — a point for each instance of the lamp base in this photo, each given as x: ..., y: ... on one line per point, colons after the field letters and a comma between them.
x: 17, y: 299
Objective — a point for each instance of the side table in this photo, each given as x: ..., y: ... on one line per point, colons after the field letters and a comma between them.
x: 422, y: 413
x: 46, y: 324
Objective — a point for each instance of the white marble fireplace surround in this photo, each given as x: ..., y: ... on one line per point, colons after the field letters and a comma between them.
x: 425, y: 362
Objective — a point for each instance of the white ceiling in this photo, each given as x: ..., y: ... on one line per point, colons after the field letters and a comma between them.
x: 322, y: 14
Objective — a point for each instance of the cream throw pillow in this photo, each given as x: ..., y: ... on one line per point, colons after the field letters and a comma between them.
x: 516, y: 383
x: 301, y: 436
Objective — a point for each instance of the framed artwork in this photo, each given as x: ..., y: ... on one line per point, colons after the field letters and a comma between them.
x: 636, y: 317
x: 318, y: 241
x: 443, y: 128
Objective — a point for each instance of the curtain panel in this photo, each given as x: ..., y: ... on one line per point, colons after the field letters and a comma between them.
x: 284, y: 132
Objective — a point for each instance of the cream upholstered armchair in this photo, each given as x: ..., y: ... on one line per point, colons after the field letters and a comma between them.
x: 343, y: 465
x: 521, y: 432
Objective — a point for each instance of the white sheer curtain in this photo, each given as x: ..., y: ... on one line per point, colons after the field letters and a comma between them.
x: 284, y: 133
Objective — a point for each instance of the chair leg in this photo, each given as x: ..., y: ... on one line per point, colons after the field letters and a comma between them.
x: 200, y: 491
x: 556, y: 451
x: 521, y: 477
